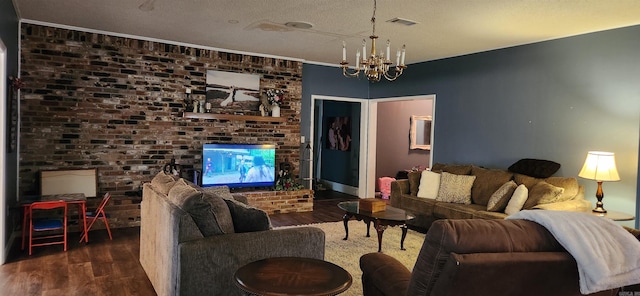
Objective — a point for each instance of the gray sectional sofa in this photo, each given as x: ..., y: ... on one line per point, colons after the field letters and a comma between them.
x: 486, y: 183
x: 192, y: 240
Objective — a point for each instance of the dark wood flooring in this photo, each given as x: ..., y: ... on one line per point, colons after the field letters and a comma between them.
x: 111, y: 267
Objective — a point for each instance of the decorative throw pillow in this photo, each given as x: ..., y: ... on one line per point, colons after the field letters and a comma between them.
x: 455, y: 188
x: 414, y: 182
x: 499, y: 199
x: 163, y: 182
x: 486, y: 183
x: 537, y: 168
x: 429, y: 185
x: 246, y: 218
x: 517, y: 200
x: 542, y: 193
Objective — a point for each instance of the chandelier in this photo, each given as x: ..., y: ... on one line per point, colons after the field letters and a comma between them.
x: 376, y: 65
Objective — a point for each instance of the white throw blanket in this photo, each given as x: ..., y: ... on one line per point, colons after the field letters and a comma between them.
x: 607, y: 255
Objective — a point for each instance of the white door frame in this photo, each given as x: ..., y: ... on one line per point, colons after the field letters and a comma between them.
x: 3, y: 152
x: 368, y: 138
x: 360, y: 191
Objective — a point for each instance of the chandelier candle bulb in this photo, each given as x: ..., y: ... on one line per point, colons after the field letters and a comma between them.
x: 364, y: 49
x: 398, y: 58
x: 388, y: 50
x: 344, y: 51
x: 357, y: 59
x: 402, y: 59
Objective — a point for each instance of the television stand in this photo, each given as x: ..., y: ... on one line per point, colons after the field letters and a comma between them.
x: 277, y: 202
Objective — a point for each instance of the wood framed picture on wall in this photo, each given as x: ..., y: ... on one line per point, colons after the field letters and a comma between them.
x: 338, y: 133
x: 231, y: 91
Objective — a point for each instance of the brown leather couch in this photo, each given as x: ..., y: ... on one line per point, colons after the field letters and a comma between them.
x: 478, y: 257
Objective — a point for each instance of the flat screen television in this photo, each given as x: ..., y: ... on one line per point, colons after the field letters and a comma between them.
x: 238, y: 165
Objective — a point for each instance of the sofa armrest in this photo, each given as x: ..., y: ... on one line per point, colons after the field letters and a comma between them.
x: 206, y: 266
x: 527, y: 273
x: 574, y: 205
x: 383, y: 275
x: 398, y: 188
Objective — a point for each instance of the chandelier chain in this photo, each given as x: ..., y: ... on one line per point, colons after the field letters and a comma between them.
x: 373, y: 18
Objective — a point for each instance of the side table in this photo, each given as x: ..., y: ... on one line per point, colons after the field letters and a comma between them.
x: 292, y: 276
x: 613, y: 215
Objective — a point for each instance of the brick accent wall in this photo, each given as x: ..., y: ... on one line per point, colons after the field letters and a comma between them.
x: 112, y: 103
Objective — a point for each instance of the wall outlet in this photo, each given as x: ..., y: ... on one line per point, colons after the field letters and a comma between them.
x: 302, y: 139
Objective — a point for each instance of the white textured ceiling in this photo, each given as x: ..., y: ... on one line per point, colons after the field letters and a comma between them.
x: 445, y: 28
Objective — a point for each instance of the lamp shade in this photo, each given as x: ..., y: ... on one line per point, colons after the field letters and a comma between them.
x: 600, y: 166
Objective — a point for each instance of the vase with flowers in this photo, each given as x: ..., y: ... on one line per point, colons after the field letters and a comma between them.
x: 274, y: 98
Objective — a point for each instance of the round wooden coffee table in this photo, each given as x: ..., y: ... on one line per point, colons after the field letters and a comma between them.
x: 292, y: 276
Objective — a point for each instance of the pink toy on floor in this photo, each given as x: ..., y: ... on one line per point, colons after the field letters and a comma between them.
x: 384, y: 183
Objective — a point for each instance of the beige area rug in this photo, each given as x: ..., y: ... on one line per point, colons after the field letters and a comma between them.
x: 347, y: 253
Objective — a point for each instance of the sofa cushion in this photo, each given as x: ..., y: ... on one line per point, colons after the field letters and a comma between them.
x: 570, y: 185
x: 217, y: 213
x: 455, y: 188
x: 499, y: 199
x: 221, y: 191
x: 246, y: 218
x: 488, y: 215
x: 429, y: 185
x: 414, y: 182
x: 486, y: 183
x: 528, y: 181
x: 455, y: 169
x: 537, y: 168
x: 163, y: 182
x: 183, y: 195
x: 456, y: 211
x: 542, y: 193
x: 207, y: 212
x: 517, y: 200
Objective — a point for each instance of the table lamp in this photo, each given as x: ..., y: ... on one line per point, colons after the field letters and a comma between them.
x: 600, y: 166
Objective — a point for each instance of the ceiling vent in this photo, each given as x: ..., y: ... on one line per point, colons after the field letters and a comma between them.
x: 299, y: 25
x: 401, y: 21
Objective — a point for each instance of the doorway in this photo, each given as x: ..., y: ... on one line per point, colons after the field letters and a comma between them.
x: 366, y: 153
x: 339, y: 136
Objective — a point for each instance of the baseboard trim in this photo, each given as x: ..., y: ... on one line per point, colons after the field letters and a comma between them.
x: 341, y: 188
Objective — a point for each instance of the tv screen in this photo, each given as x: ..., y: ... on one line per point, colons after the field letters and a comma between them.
x: 238, y: 165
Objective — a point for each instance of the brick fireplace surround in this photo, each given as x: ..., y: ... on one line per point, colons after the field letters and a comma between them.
x: 97, y: 101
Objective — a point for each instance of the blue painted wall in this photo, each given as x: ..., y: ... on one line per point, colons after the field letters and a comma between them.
x: 552, y: 100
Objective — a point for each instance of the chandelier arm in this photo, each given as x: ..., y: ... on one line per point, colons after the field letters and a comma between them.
x: 346, y: 73
x: 397, y: 72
